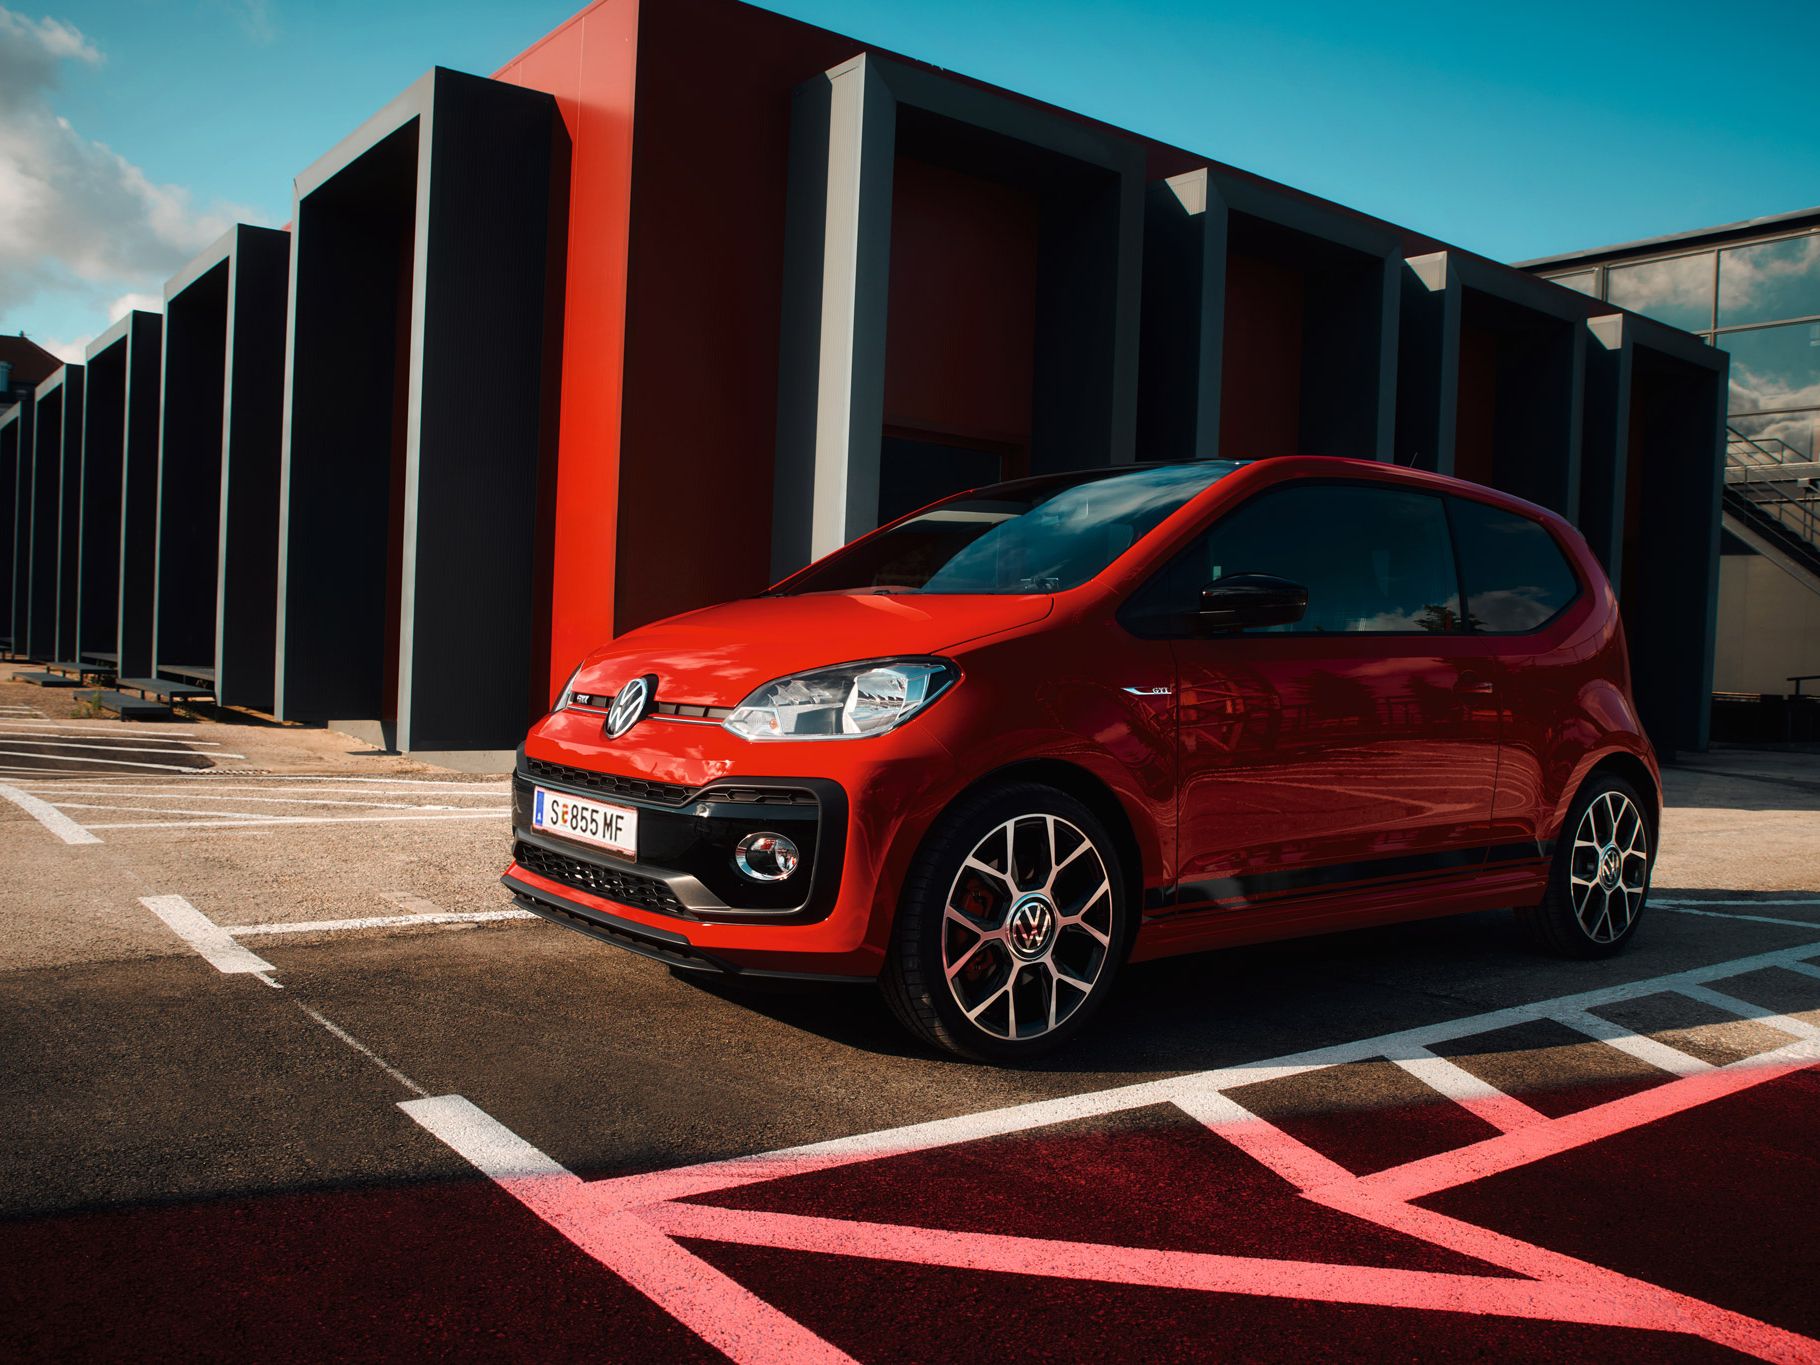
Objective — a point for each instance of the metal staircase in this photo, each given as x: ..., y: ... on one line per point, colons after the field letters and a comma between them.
x: 1772, y: 501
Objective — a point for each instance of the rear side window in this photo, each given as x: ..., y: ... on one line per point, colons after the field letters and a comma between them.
x: 1515, y: 576
x: 1374, y: 561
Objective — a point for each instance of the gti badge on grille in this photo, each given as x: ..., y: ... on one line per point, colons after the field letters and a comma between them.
x: 630, y: 705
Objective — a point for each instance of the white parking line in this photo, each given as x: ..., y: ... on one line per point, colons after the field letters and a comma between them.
x: 215, y: 944
x: 1681, y: 902
x: 192, y: 791
x: 338, y: 926
x: 50, y: 817
x: 257, y: 817
x: 722, y: 1311
x: 10, y: 729
x: 304, y: 820
x: 1645, y: 1049
x: 1782, y: 1023
x: 1504, y: 1112
x: 89, y: 747
x: 360, y: 1047
x: 112, y: 762
x: 1754, y: 919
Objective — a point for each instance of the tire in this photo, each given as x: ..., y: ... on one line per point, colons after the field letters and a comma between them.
x: 1585, y: 912
x: 1012, y: 924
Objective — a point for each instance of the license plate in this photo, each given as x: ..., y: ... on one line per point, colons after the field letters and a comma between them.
x: 614, y: 828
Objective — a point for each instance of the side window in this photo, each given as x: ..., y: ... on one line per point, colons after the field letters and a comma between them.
x: 1374, y: 561
x: 1515, y: 575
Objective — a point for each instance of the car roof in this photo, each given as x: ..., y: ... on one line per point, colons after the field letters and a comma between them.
x: 1283, y: 467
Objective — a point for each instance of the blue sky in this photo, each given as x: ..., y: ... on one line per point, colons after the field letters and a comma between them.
x: 132, y: 131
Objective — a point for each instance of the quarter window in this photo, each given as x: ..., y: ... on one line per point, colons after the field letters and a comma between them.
x: 1374, y: 561
x: 1516, y: 577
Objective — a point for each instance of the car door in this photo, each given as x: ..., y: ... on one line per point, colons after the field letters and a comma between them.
x: 1353, y: 748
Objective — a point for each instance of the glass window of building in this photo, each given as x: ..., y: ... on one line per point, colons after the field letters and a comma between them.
x: 1586, y: 281
x: 1770, y: 281
x: 1775, y: 368
x: 1678, y: 291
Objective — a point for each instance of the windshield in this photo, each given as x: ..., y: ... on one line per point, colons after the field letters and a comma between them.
x: 1036, y: 535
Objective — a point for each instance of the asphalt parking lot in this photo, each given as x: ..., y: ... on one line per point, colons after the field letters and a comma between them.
x: 288, y: 1077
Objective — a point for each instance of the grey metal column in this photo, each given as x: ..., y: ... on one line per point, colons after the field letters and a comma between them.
x: 1183, y: 325
x: 1604, y: 456
x: 837, y: 269
x: 1428, y: 364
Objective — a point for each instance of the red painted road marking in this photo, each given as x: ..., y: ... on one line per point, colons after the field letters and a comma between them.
x: 600, y: 1217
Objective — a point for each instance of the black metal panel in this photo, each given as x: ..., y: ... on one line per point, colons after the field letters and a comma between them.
x: 426, y: 299
x: 50, y: 439
x: 69, y: 510
x: 15, y: 527
x: 1669, y: 489
x: 247, y: 603
x: 103, y: 443
x: 138, y: 567
x: 495, y: 164
x: 189, y: 472
x: 352, y: 261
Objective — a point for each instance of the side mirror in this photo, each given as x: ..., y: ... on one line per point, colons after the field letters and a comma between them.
x: 1239, y: 600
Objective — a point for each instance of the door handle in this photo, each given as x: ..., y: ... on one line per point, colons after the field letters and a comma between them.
x: 1471, y: 684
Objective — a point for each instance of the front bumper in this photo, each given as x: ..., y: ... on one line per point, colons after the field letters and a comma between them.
x: 659, y: 944
x: 686, y: 841
x: 857, y: 816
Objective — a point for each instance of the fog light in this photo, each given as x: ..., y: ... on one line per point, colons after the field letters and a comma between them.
x: 767, y: 857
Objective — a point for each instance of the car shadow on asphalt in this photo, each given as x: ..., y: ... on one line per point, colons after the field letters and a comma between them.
x: 1238, y: 1005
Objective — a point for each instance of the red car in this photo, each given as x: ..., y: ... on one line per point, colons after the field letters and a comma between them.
x: 993, y: 751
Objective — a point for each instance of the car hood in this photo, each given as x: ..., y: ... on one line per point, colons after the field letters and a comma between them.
x: 718, y: 655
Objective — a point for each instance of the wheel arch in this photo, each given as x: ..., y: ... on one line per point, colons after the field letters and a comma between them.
x: 1637, y: 773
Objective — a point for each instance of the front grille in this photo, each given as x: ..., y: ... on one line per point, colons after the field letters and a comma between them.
x: 759, y: 796
x: 627, y: 888
x: 609, y: 784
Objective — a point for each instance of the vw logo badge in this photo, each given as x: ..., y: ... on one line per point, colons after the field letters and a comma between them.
x: 630, y: 705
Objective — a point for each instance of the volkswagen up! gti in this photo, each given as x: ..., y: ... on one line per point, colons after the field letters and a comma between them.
x: 993, y: 751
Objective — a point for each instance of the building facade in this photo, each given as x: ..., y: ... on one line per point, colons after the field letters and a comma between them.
x: 688, y: 294
x: 1751, y: 289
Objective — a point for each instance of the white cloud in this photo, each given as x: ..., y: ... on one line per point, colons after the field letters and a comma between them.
x: 77, y: 219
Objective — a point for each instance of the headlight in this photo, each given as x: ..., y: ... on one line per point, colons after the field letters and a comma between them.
x: 567, y: 698
x: 845, y: 702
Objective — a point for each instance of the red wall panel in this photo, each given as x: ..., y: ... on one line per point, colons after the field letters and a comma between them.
x: 589, y: 65
x: 707, y: 244
x: 961, y: 330
x: 1261, y: 370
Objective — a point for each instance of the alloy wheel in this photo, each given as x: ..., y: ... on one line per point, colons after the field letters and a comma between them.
x: 1027, y: 927
x: 1609, y: 871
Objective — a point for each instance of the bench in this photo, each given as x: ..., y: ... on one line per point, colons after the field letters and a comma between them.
x: 38, y: 678
x: 165, y: 688
x: 129, y: 708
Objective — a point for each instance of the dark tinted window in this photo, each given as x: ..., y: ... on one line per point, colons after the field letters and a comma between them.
x: 1516, y: 576
x: 1374, y: 560
x: 1037, y: 535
